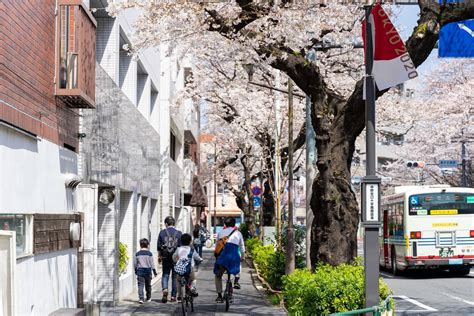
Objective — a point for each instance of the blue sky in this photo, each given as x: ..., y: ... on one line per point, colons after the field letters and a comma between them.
x: 405, y: 22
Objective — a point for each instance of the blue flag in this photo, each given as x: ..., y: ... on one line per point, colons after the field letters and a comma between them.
x: 457, y: 39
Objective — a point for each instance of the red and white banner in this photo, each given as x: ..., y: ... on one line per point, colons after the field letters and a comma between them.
x: 392, y: 63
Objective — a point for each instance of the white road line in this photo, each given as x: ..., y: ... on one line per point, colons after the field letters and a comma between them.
x: 459, y: 299
x: 415, y: 302
x: 408, y: 311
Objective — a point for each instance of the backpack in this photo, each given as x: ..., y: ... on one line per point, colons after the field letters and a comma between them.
x: 170, y: 244
x: 183, y: 266
x: 220, y: 244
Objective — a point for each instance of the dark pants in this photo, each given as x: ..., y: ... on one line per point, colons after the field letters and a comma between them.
x: 199, y: 249
x: 144, y: 281
x: 168, y: 268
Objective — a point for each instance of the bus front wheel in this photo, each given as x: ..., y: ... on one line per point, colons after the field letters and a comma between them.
x: 395, y: 270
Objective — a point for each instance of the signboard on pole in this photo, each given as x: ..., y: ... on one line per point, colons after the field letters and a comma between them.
x: 448, y: 164
x: 257, y: 201
x: 371, y: 200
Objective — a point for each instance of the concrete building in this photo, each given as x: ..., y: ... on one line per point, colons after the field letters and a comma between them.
x: 47, y: 65
x: 137, y: 156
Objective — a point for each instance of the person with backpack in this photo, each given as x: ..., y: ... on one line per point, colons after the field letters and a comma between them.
x: 169, y: 240
x: 229, y: 240
x: 185, y: 259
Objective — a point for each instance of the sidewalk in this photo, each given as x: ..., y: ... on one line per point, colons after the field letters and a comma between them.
x: 247, y: 301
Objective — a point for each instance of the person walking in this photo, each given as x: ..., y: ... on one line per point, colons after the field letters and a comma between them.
x: 144, y: 266
x: 228, y: 258
x: 169, y: 240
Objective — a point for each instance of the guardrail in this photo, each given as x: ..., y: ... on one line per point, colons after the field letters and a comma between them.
x: 384, y: 309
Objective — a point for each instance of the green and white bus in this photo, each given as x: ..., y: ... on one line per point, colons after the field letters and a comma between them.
x: 428, y: 227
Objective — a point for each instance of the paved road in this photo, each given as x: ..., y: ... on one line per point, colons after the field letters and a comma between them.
x: 432, y: 293
x: 435, y: 292
x: 247, y: 301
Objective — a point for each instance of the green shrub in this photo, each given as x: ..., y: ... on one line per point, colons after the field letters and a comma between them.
x: 123, y: 257
x: 261, y: 256
x: 328, y: 290
x: 276, y: 270
x: 251, y: 243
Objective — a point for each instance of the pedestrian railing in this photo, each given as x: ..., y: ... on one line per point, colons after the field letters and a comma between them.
x: 386, y: 308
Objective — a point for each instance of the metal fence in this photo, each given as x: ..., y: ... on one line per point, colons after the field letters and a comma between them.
x: 386, y: 308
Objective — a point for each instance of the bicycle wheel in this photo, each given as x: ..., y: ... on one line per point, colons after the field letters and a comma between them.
x: 227, y: 296
x: 184, y: 302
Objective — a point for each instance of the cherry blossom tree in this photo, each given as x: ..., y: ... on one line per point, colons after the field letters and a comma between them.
x: 279, y: 34
x: 434, y: 119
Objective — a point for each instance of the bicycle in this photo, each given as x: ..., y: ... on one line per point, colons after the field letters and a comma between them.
x: 229, y: 290
x: 187, y: 299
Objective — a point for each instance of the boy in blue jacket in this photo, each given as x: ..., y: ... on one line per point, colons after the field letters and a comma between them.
x: 144, y: 266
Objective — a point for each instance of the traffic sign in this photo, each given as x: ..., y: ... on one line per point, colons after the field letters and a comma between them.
x: 257, y: 201
x: 256, y: 190
x: 448, y: 164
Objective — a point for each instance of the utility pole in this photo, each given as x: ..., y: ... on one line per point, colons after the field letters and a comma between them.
x: 277, y: 163
x: 260, y: 224
x: 215, y: 189
x: 310, y: 170
x: 370, y: 183
x: 463, y: 159
x: 290, y: 230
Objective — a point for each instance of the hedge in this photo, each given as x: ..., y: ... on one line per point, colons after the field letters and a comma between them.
x: 327, y: 290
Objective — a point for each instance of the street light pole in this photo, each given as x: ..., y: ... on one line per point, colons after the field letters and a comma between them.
x: 371, y: 183
x: 290, y: 230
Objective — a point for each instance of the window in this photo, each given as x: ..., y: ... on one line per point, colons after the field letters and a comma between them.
x: 172, y: 146
x: 187, y: 153
x: 188, y: 76
x: 21, y: 224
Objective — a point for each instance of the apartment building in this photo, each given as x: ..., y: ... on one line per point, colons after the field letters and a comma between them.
x: 47, y: 73
x: 137, y: 156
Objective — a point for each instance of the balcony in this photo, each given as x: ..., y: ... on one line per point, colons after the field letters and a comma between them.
x: 75, y: 66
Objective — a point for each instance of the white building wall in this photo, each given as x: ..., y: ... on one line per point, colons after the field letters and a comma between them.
x: 144, y: 97
x: 165, y: 127
x: 33, y: 181
x: 43, y: 283
x: 126, y: 237
x: 108, y: 46
x: 128, y: 76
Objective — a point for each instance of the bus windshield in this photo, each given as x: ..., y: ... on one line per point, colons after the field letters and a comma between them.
x: 445, y: 203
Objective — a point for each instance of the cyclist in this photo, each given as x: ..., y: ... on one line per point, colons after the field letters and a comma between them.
x: 229, y: 258
x: 191, y: 257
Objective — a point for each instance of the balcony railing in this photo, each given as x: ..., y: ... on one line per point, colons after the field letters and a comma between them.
x: 75, y: 65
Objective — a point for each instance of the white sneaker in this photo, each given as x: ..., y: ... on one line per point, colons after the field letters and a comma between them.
x: 140, y: 302
x: 148, y: 300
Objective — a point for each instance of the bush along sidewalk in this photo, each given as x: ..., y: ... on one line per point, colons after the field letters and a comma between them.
x: 330, y: 289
